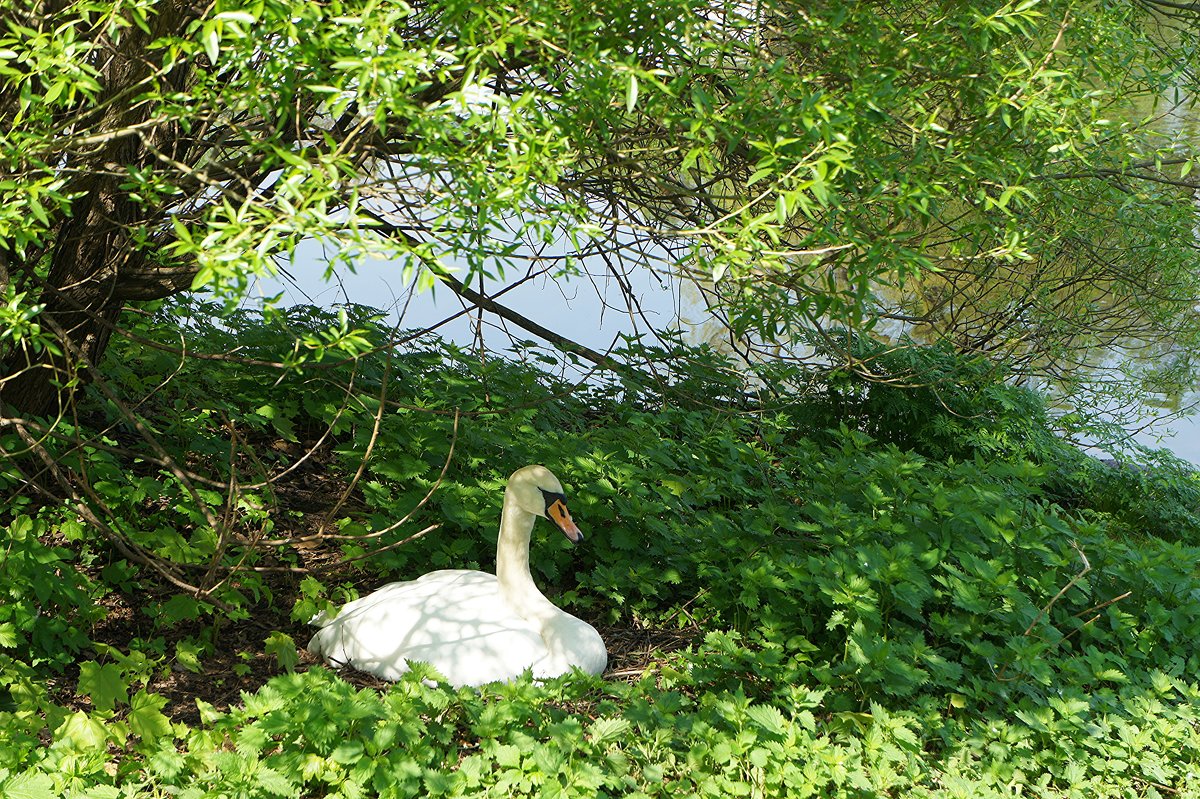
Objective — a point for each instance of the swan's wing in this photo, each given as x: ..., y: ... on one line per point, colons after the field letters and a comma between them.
x: 454, y: 620
x: 570, y: 643
x: 409, y: 591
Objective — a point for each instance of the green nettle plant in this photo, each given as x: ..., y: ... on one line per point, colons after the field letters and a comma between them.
x: 839, y: 615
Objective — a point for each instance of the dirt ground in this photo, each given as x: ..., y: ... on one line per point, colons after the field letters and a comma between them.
x: 238, y: 661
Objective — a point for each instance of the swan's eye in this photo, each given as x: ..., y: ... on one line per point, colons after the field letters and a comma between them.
x: 556, y: 511
x: 552, y: 497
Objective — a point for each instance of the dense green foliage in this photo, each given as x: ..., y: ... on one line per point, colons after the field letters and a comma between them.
x: 1011, y: 178
x: 887, y: 592
x: 883, y: 574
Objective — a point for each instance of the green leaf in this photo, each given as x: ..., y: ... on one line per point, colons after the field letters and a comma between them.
x: 274, y: 782
x: 759, y: 174
x: 20, y: 528
x: 631, y: 94
x: 187, y: 654
x: 104, y: 684
x: 204, y: 276
x: 283, y: 647
x: 208, y: 713
x: 606, y: 729
x: 1112, y: 675
x: 9, y: 637
x: 81, y: 732
x: 166, y: 761
x: 29, y: 785
x: 100, y: 791
x: 237, y: 16
x: 348, y: 753
x: 210, y: 39
x: 768, y: 717
x: 146, y: 718
x: 180, y: 607
x: 311, y: 587
x: 508, y: 756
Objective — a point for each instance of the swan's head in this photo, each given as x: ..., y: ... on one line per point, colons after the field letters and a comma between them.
x: 536, y: 490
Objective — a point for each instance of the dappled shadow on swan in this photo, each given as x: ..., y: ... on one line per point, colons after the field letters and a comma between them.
x: 473, y: 627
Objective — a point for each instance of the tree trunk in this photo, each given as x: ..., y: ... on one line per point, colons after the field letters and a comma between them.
x: 93, y: 265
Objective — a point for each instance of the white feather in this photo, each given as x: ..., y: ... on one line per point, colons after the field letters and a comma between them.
x: 471, y: 626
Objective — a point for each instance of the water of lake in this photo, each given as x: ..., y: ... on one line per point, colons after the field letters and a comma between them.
x: 591, y: 310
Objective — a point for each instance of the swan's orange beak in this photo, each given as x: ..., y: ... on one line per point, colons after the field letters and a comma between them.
x: 558, y: 513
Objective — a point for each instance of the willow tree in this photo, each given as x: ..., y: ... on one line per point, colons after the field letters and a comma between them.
x: 991, y: 174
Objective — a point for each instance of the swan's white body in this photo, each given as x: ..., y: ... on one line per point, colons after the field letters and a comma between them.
x: 473, y: 627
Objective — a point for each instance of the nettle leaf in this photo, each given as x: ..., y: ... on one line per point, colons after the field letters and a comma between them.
x: 1112, y: 675
x: 769, y: 718
x: 208, y: 713
x: 274, y: 782
x: 166, y: 762
x: 104, y: 684
x: 348, y: 753
x: 606, y: 729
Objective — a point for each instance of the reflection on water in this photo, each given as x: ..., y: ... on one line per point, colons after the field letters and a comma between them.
x: 1179, y: 116
x: 1179, y: 435
x: 592, y: 313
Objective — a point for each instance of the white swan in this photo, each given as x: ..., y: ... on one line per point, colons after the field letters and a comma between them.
x: 473, y: 627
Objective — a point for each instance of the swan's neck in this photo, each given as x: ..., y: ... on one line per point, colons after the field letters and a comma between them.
x: 512, y: 561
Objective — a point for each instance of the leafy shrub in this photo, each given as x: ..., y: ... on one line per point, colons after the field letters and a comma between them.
x: 929, y: 399
x: 1149, y: 494
x: 46, y: 604
x: 884, y: 602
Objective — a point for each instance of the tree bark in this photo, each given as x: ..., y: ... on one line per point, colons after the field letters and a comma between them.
x: 92, y: 264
